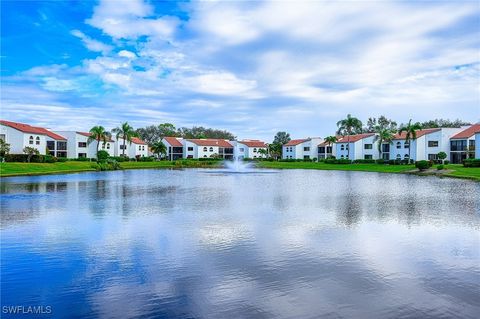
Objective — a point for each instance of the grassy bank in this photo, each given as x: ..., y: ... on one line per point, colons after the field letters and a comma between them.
x: 452, y: 170
x: 339, y: 167
x: 18, y: 169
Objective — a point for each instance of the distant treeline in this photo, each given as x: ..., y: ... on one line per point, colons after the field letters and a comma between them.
x: 154, y: 133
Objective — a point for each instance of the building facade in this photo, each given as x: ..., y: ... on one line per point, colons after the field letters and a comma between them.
x: 359, y: 146
x: 20, y: 135
x: 174, y: 146
x: 249, y: 149
x: 463, y: 144
x: 301, y: 148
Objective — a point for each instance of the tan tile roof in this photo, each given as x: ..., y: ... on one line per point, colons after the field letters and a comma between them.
x: 353, y: 138
x: 25, y: 128
x: 467, y: 133
x: 173, y: 141
x: 253, y: 143
x: 418, y: 132
x: 296, y: 142
x: 211, y: 142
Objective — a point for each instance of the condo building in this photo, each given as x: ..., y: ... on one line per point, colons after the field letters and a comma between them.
x: 301, y: 148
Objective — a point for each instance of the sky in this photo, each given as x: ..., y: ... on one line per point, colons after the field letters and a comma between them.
x: 250, y: 67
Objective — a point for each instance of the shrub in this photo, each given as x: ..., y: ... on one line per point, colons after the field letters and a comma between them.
x: 146, y: 159
x: 24, y: 158
x: 423, y: 165
x: 82, y: 159
x: 441, y: 156
x: 62, y: 159
x: 440, y: 167
x: 119, y: 158
x: 49, y: 159
x: 338, y: 161
x: 446, y: 162
x: 364, y: 161
x: 380, y: 161
x: 307, y: 160
x: 471, y: 162
x: 102, y: 155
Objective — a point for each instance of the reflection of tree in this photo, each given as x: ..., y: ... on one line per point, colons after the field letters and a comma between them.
x: 349, y: 212
x: 409, y: 212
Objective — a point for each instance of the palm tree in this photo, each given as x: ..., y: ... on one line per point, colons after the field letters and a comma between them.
x: 384, y: 135
x: 347, y: 127
x: 159, y: 148
x: 126, y: 132
x: 329, y: 141
x: 98, y: 133
x: 263, y: 151
x: 410, y: 133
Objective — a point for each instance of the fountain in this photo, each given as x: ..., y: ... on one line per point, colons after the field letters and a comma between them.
x: 238, y: 166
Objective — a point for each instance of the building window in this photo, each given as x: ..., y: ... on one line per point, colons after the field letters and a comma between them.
x: 406, y: 145
x: 368, y: 157
x: 82, y: 144
x: 51, y: 145
x: 205, y: 149
x: 241, y: 149
x: 211, y: 149
x: 321, y: 149
x: 37, y: 141
x: 108, y: 146
x: 254, y: 150
x: 190, y: 149
x: 432, y: 157
x: 406, y: 156
x: 458, y: 145
x: 399, y: 145
x: 103, y: 146
x: 399, y: 156
x: 341, y: 156
x: 30, y: 140
x: 2, y: 137
x: 432, y: 143
x: 61, y: 146
x: 82, y: 155
x: 342, y: 148
x: 204, y: 155
x: 123, y: 147
x: 306, y: 149
x: 306, y: 157
x: 368, y: 146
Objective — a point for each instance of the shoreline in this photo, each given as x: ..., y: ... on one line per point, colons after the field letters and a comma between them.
x: 452, y: 170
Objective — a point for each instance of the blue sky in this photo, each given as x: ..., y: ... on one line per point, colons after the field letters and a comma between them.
x: 253, y: 68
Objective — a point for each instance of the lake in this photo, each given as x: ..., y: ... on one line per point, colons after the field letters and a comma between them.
x: 265, y: 244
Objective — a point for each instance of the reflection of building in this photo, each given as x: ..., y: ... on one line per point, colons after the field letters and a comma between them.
x: 301, y: 149
x: 462, y: 144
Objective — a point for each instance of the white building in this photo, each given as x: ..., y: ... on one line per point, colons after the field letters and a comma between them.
x: 56, y: 144
x: 174, y: 146
x: 205, y: 148
x: 134, y: 149
x: 426, y: 146
x: 249, y: 149
x: 20, y: 135
x: 301, y: 148
x: 78, y: 146
x: 359, y: 146
x: 477, y: 145
x: 463, y: 145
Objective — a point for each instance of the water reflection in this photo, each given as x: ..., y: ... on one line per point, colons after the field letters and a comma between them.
x: 291, y: 244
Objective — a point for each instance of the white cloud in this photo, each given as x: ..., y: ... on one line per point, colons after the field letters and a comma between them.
x: 92, y: 45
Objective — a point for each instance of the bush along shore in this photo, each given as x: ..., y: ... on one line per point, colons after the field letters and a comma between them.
x: 45, y: 164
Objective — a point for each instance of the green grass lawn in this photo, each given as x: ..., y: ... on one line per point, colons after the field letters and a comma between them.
x: 11, y: 169
x: 463, y: 172
x: 458, y: 170
x: 15, y: 169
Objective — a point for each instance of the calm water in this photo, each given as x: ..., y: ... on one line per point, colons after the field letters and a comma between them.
x: 269, y: 244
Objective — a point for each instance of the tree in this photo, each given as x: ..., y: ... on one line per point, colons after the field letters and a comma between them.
x: 382, y: 122
x: 126, y: 132
x: 4, y: 148
x: 99, y: 134
x: 384, y: 135
x: 263, y: 151
x: 30, y: 151
x: 329, y: 141
x: 280, y: 139
x: 442, y: 156
x: 410, y: 133
x: 202, y: 132
x: 347, y: 127
x: 155, y: 133
x: 159, y: 148
x: 443, y: 123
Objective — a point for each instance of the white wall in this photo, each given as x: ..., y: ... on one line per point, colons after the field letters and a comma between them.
x: 477, y: 145
x: 18, y: 140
